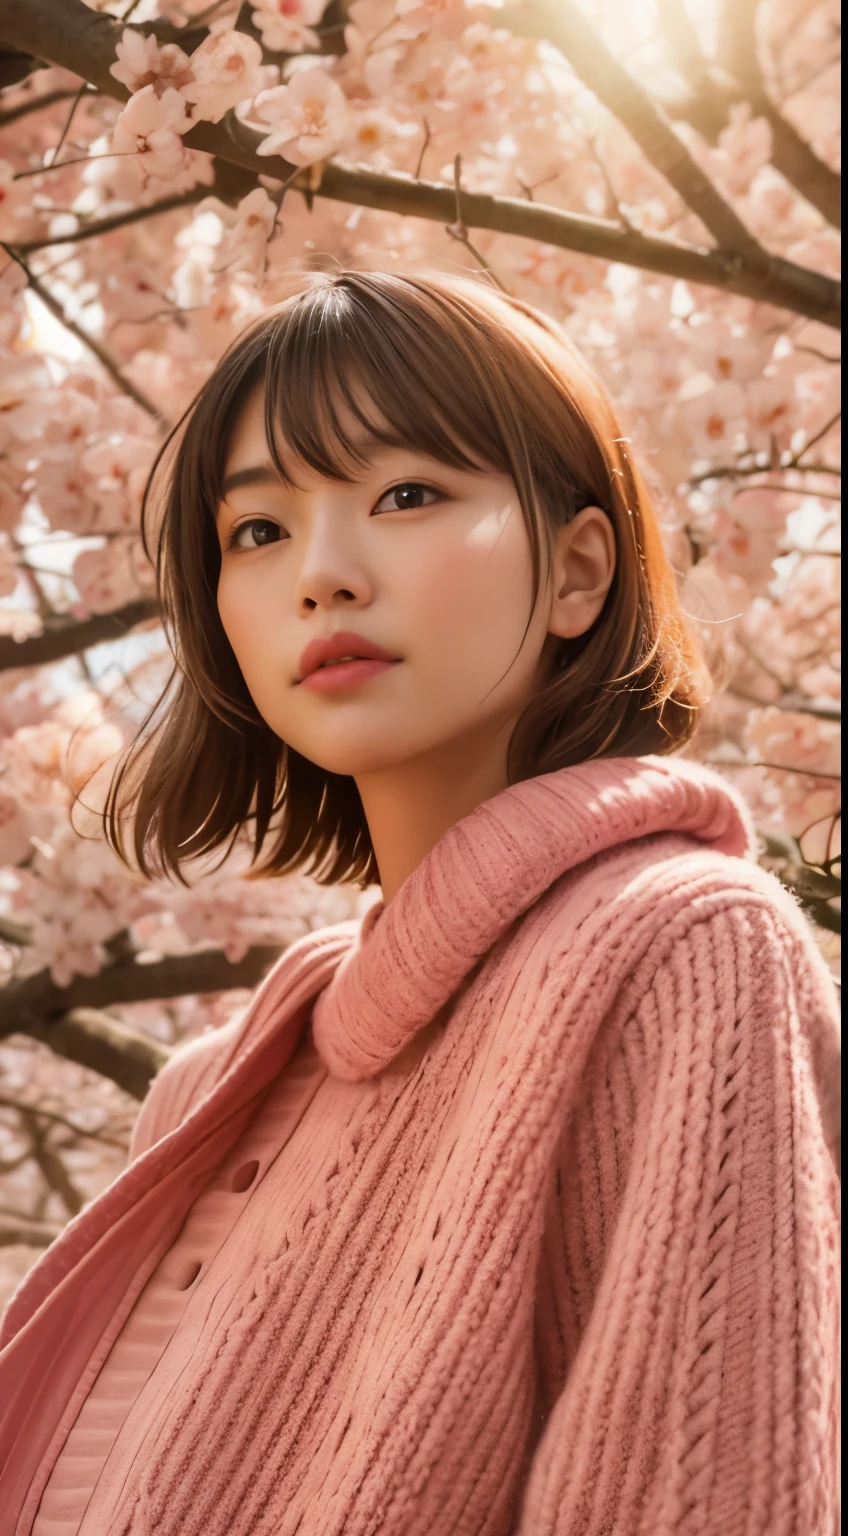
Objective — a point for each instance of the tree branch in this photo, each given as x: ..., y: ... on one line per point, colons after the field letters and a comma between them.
x: 564, y: 25
x: 53, y: 1170
x: 104, y: 357
x: 56, y: 1119
x: 67, y: 637
x: 84, y: 42
x: 93, y: 1039
x: 118, y: 220
x: 740, y: 80
x: 69, y: 1019
x: 34, y: 104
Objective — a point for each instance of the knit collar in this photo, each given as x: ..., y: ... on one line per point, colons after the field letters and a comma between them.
x: 489, y: 868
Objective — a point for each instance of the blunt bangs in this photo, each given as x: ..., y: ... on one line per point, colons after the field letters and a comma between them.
x: 342, y: 376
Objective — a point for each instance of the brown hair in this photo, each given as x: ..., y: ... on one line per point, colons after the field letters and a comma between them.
x: 475, y: 379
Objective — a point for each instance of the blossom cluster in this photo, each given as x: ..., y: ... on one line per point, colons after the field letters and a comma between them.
x: 730, y: 405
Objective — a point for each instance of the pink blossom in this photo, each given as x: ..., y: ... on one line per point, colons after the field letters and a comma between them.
x: 133, y: 292
x: 142, y: 62
x: 14, y: 828
x: 714, y: 419
x: 255, y: 218
x: 287, y: 25
x: 308, y: 116
x: 371, y: 127
x: 117, y: 468
x: 150, y: 126
x: 448, y: 17
x: 8, y: 568
x: 105, y: 578
x: 744, y: 148
x: 15, y: 203
x: 227, y: 69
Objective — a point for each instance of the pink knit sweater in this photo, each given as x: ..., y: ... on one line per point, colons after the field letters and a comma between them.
x: 571, y: 1265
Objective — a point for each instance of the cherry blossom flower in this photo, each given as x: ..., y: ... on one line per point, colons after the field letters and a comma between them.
x: 151, y: 127
x: 287, y: 25
x: 105, y: 578
x: 309, y: 117
x: 15, y: 203
x: 8, y: 569
x: 255, y: 218
x: 714, y: 418
x: 372, y: 127
x: 141, y: 62
x: 227, y: 68
x: 14, y: 828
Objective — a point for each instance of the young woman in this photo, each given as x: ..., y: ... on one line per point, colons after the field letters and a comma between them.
x: 512, y: 1210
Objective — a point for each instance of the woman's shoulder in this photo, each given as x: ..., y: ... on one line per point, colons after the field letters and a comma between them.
x: 634, y: 907
x: 669, y: 872
x: 197, y: 1065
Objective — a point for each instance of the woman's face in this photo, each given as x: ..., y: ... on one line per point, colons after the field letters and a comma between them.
x: 432, y: 564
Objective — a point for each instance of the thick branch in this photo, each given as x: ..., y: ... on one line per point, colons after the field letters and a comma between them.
x: 28, y: 1003
x: 95, y: 1040
x: 564, y: 25
x: 67, y: 637
x: 85, y: 43
x: 71, y: 1021
x: 740, y: 79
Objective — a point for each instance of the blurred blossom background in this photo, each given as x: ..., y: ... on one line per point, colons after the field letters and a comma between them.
x: 661, y: 178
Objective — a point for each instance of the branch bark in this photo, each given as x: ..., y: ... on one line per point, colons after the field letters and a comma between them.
x: 71, y: 1021
x: 563, y: 24
x: 67, y: 637
x: 67, y: 33
x: 740, y: 80
x: 93, y: 1039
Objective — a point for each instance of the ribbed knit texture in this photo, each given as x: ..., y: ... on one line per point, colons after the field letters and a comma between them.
x: 571, y: 1269
x: 258, y: 1186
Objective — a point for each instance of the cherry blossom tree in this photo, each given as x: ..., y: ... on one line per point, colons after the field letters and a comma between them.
x: 661, y: 178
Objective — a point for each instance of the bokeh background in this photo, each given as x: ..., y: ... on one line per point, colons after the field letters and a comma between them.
x: 662, y: 178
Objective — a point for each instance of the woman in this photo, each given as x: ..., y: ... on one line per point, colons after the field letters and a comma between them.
x: 512, y: 1210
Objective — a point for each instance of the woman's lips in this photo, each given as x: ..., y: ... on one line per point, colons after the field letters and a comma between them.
x: 344, y: 674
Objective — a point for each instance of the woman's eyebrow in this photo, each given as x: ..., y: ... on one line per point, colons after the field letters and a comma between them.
x: 257, y: 474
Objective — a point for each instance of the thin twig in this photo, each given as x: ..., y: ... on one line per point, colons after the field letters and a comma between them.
x: 62, y: 165
x: 36, y: 104
x: 458, y: 230
x: 528, y: 190
x: 427, y: 138
x: 57, y: 1119
x: 68, y: 34
x: 103, y: 357
x: 115, y: 221
x: 83, y: 91
x: 828, y: 427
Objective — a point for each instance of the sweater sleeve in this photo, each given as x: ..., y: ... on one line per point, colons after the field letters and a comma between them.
x: 688, y: 1315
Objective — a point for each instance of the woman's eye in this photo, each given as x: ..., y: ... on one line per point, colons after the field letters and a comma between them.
x: 261, y: 532
x: 406, y: 497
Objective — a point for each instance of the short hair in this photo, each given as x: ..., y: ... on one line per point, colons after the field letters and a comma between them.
x: 474, y: 378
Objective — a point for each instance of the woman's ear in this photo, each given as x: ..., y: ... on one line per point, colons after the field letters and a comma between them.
x: 582, y: 568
